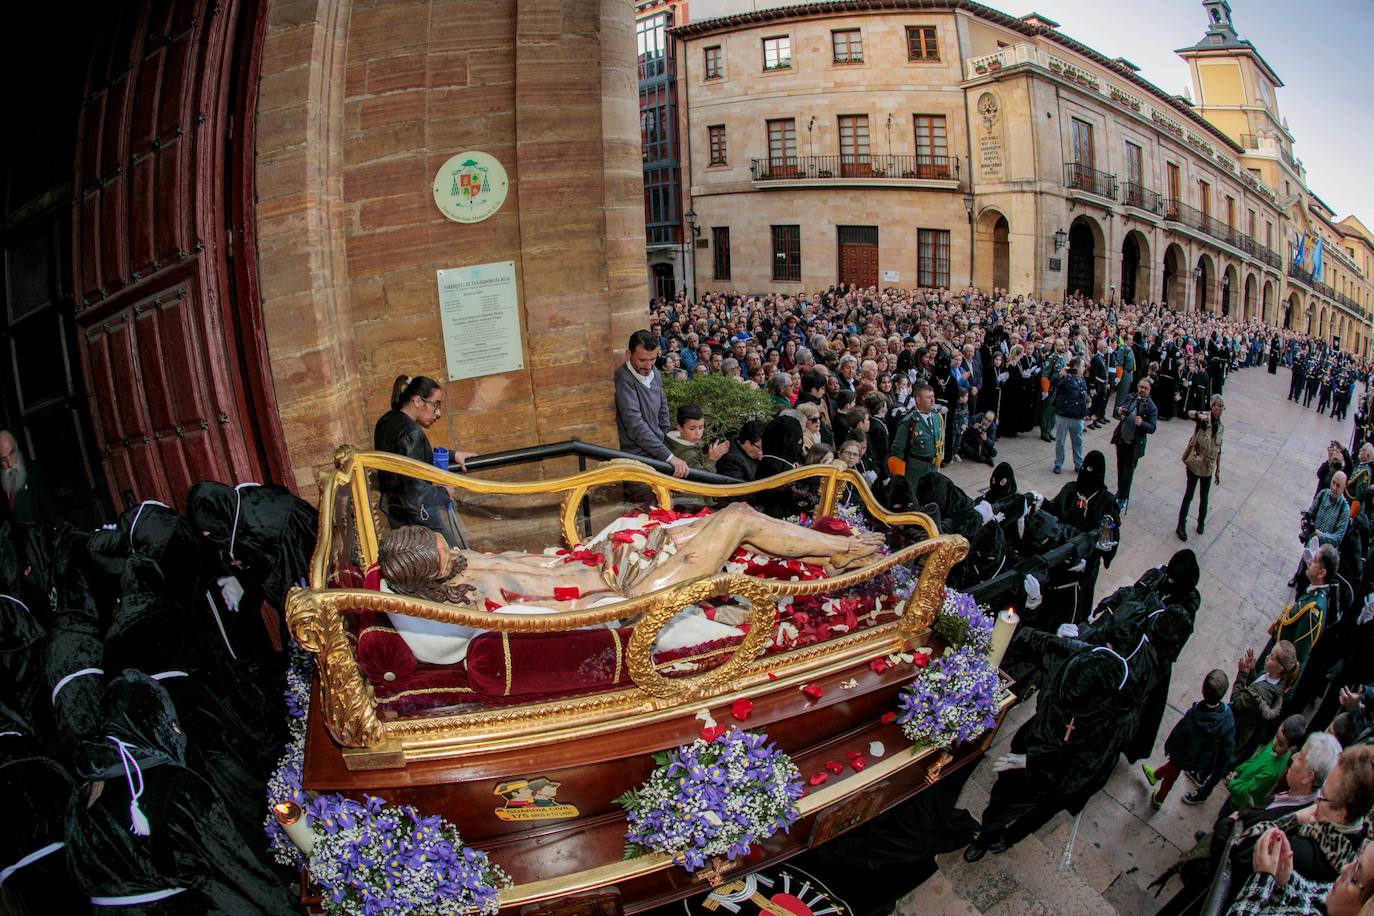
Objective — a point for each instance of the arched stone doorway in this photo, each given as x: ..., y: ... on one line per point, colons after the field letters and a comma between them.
x: 992, y: 240
x: 1251, y: 294
x: 1292, y: 313
x: 1174, y: 289
x: 1230, y: 288
x: 1135, y: 267
x: 1269, y: 302
x: 1086, y: 251
x: 1203, y: 274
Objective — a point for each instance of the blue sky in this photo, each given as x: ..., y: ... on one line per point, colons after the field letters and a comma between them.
x: 1321, y: 49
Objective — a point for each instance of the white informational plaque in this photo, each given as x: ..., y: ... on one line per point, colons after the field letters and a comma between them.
x: 481, y: 319
x: 891, y: 276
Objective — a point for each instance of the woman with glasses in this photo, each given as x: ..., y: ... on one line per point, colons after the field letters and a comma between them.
x: 416, y: 403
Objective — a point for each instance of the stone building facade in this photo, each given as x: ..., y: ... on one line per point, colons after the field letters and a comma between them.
x: 948, y: 144
x: 361, y: 102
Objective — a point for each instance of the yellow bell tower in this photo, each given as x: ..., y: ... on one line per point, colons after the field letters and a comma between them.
x: 1234, y: 86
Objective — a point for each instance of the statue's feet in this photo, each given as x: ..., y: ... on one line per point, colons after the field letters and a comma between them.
x: 859, y: 548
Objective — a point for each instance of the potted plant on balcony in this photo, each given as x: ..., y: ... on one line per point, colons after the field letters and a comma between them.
x: 995, y: 64
x: 980, y: 67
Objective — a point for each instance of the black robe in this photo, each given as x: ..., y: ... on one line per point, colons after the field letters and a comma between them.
x: 1081, y: 505
x: 36, y: 789
x: 266, y: 529
x: 1167, y: 383
x: 190, y: 842
x: 1122, y: 617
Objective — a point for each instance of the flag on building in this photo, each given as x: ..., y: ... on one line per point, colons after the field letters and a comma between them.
x: 1317, y: 260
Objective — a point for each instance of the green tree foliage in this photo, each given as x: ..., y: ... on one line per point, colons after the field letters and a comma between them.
x: 726, y: 402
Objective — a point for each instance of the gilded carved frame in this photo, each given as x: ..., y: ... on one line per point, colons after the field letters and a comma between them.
x: 316, y: 616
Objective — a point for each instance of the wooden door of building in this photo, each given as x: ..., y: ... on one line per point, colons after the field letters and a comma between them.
x: 163, y: 267
x: 858, y: 247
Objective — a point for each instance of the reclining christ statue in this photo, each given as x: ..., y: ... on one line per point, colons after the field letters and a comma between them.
x: 621, y: 562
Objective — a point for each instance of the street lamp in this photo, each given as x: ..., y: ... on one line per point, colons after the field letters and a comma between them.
x: 1061, y: 238
x: 691, y: 217
x: 968, y: 206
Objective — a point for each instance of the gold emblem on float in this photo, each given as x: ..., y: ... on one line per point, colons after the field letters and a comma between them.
x: 532, y: 800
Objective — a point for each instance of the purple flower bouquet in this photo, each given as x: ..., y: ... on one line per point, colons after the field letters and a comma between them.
x: 952, y: 701
x: 963, y: 623
x: 712, y: 799
x: 372, y: 857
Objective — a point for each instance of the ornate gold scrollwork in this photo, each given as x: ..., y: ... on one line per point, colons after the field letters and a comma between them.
x: 668, y: 604
x: 348, y: 705
x: 929, y: 596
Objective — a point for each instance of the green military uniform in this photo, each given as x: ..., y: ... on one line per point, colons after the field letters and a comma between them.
x: 1053, y: 366
x: 1357, y: 488
x: 918, y: 443
x: 1300, y: 623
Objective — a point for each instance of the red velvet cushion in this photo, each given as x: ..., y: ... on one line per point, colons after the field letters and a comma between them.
x: 526, y: 665
x: 382, y: 652
x: 426, y: 687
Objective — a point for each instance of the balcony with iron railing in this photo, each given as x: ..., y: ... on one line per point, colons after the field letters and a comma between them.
x: 1179, y: 212
x: 855, y: 167
x: 1135, y: 194
x: 1079, y: 177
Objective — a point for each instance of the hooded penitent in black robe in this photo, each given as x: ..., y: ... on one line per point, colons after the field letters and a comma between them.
x: 1070, y: 743
x: 1081, y: 505
x: 143, y: 823
x: 21, y: 643
x: 36, y: 789
x: 1129, y: 611
x: 266, y: 529
x: 75, y: 684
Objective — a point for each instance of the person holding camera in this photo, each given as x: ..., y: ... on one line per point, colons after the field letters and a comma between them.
x: 1325, y: 523
x: 1070, y: 406
x: 1138, y: 418
x: 1202, y: 461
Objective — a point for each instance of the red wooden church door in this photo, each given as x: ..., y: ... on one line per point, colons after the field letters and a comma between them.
x: 163, y: 261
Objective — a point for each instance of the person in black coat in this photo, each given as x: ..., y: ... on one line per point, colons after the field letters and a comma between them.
x: 1138, y: 420
x: 742, y: 460
x: 415, y: 406
x: 1081, y: 505
x: 1167, y: 380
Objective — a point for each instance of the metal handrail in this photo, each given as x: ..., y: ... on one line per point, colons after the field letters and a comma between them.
x: 582, y: 450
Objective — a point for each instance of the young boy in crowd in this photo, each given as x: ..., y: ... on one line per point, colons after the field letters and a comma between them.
x: 1202, y: 741
x: 686, y: 443
x: 958, y: 421
x: 1253, y: 780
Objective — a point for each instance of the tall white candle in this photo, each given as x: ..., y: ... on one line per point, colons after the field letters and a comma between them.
x: 296, y: 823
x: 1001, y: 636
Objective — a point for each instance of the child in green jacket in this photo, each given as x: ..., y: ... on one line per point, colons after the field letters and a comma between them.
x: 1254, y: 780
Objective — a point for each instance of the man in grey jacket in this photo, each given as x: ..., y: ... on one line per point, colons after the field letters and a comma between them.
x: 641, y: 406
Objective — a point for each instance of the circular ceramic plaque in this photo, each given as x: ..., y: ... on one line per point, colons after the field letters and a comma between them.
x: 470, y: 187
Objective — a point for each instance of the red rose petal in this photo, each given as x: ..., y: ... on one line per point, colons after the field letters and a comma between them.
x: 834, y: 767
x: 879, y: 665
x: 858, y: 763
x: 853, y: 755
x: 492, y: 606
x: 772, y: 676
x: 920, y: 659
x: 888, y: 718
x: 712, y: 732
x: 569, y: 593
x: 818, y: 778
x: 742, y: 709
x: 812, y: 691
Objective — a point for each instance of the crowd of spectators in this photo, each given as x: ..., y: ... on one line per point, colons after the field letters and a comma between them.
x: 1288, y: 737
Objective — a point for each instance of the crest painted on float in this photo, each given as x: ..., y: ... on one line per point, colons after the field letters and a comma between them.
x: 470, y: 187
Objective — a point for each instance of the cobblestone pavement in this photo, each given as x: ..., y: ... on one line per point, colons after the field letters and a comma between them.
x: 1272, y: 450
